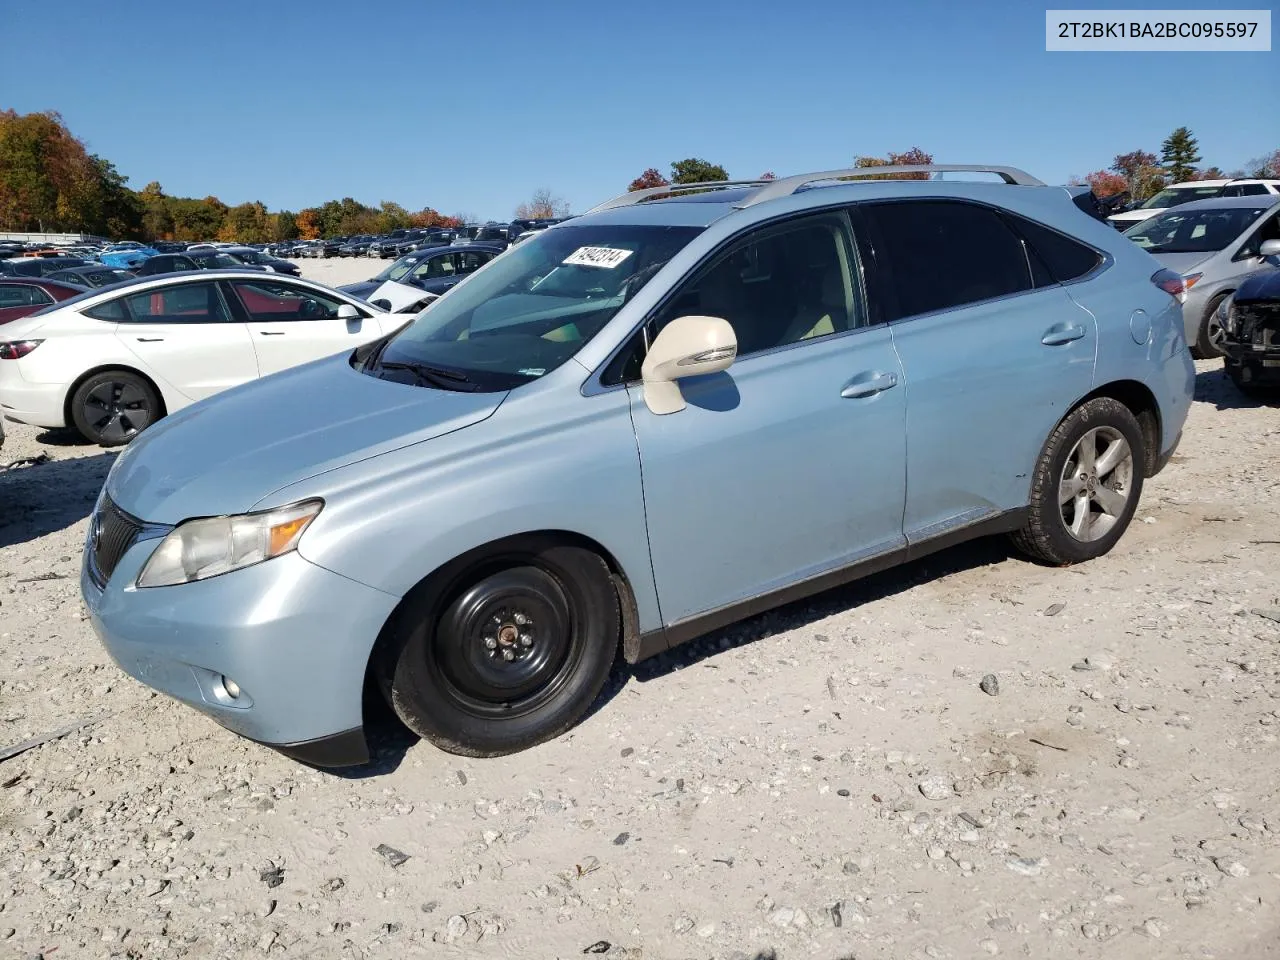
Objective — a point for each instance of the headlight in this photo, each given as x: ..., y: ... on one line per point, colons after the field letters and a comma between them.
x: 200, y: 549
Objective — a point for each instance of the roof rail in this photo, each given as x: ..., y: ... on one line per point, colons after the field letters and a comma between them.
x: 637, y: 196
x: 786, y: 186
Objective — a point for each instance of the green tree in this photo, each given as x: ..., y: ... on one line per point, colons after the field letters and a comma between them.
x: 1179, y: 154
x: 286, y: 225
x: 391, y: 216
x: 695, y: 170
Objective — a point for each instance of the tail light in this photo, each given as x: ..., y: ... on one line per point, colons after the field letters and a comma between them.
x: 17, y: 349
x: 1171, y: 283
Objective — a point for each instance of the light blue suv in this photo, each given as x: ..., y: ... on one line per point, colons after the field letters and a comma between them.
x: 668, y: 414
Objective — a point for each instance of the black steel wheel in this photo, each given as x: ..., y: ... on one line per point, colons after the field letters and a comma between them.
x: 113, y: 407
x: 491, y: 657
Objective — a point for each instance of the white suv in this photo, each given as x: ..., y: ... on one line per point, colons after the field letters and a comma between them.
x: 1178, y: 193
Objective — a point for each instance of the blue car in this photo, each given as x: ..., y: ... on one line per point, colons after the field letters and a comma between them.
x: 683, y: 408
x: 126, y: 255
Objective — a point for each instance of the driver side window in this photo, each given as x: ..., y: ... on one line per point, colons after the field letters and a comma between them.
x: 779, y: 285
x: 267, y: 301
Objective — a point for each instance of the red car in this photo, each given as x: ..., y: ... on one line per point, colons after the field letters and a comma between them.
x: 20, y: 296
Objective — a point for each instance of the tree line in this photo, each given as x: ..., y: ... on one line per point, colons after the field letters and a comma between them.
x: 49, y: 182
x: 1141, y: 174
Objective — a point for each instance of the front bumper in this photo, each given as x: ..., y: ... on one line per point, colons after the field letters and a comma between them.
x: 294, y: 637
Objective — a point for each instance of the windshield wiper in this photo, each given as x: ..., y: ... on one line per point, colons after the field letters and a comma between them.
x: 433, y: 376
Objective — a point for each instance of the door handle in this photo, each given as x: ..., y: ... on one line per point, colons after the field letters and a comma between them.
x: 867, y: 386
x: 150, y: 339
x: 271, y: 333
x: 1055, y: 336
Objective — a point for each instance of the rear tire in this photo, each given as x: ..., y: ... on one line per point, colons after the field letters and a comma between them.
x: 1209, y: 333
x: 112, y: 407
x: 1086, y: 485
x: 505, y: 654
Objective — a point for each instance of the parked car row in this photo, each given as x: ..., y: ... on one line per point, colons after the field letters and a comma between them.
x: 1188, y: 192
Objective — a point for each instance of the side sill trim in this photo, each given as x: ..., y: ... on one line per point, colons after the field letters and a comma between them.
x: 656, y: 641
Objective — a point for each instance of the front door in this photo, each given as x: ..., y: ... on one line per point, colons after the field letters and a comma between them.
x: 185, y: 334
x: 791, y: 463
x: 291, y: 324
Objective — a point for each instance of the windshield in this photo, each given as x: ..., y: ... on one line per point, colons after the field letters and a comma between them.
x: 1196, y: 231
x: 531, y: 309
x: 397, y: 269
x: 1176, y: 195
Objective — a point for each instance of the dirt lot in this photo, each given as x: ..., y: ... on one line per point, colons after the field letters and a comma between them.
x: 825, y: 781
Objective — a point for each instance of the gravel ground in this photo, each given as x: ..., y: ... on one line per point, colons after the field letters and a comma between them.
x: 967, y: 756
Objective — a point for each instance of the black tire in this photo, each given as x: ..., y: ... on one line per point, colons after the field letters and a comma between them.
x: 1205, y: 348
x: 1048, y: 533
x: 112, y: 407
x: 458, y: 671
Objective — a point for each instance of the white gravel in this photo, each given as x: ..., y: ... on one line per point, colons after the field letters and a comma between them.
x: 756, y: 794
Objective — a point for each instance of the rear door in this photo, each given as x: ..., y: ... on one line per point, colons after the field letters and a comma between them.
x: 993, y: 353
x: 290, y: 324
x: 186, y: 334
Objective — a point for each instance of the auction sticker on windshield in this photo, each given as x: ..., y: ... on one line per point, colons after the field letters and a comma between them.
x: 606, y: 257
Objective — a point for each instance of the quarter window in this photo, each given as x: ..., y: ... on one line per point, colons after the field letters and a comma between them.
x: 267, y: 301
x: 112, y: 311
x: 940, y: 254
x: 1055, y: 258
x: 188, y: 303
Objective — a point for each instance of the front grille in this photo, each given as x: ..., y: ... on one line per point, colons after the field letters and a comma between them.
x: 113, y: 533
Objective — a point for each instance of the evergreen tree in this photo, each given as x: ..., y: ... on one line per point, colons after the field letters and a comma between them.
x: 1180, y: 153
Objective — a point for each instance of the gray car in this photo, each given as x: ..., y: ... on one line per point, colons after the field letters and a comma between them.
x: 1215, y: 244
x: 658, y: 418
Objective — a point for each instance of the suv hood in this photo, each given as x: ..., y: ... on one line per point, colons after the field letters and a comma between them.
x: 225, y: 454
x: 1131, y: 217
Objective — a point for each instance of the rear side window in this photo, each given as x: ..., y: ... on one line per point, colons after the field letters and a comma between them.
x: 22, y: 295
x: 188, y: 303
x: 940, y: 254
x: 1054, y: 256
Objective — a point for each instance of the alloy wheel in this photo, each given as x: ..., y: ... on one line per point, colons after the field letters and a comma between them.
x: 117, y: 410
x: 1096, y: 483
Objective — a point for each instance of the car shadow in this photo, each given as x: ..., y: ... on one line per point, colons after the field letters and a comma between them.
x: 975, y: 553
x: 40, y: 495
x: 1214, y: 386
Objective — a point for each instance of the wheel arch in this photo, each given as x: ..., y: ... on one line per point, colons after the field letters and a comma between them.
x: 475, y: 558
x: 1142, y: 403
x: 103, y: 368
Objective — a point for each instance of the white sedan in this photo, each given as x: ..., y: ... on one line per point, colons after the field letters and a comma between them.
x: 110, y: 362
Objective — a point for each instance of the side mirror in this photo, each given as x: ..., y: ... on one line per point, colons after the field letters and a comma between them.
x: 1269, y: 248
x: 686, y: 347
x: 348, y: 312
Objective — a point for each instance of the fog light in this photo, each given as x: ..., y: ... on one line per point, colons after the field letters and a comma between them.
x: 232, y: 688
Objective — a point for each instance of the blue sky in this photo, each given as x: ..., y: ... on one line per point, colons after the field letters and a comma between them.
x: 472, y: 106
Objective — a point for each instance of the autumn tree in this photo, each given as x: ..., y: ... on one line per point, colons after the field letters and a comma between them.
x: 1179, y: 154
x: 309, y: 223
x: 768, y: 175
x: 1262, y: 168
x: 543, y: 205
x: 1104, y: 183
x: 648, y: 180
x: 1211, y: 173
x: 913, y: 157
x: 695, y: 170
